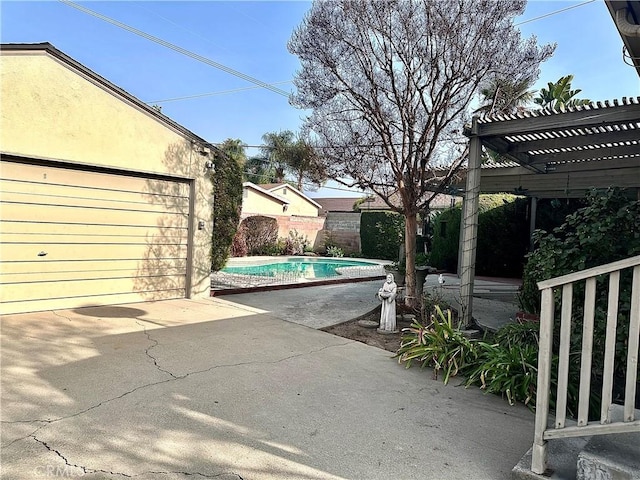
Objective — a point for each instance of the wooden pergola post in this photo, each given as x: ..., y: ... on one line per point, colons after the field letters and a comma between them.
x: 469, y: 230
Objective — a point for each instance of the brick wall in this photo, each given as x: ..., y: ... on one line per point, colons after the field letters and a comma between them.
x: 342, y: 227
x: 309, y: 226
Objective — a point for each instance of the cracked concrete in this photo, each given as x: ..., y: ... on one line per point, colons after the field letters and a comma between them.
x: 211, y: 389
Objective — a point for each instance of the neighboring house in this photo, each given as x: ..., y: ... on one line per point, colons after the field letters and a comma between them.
x: 258, y: 201
x: 440, y: 202
x: 292, y: 209
x: 343, y: 205
x: 105, y: 200
x: 299, y: 203
x: 346, y: 204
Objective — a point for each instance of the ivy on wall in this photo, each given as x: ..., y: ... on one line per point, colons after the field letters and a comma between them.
x: 227, y: 201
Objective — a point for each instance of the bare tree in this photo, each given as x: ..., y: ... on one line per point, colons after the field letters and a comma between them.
x: 389, y: 85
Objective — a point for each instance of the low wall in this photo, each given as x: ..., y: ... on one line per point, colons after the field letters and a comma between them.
x: 342, y: 229
x: 308, y: 226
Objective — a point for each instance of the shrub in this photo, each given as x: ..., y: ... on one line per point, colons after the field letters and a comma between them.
x: 605, y: 230
x: 439, y: 345
x: 260, y: 234
x: 505, y: 365
x: 295, y: 243
x: 508, y: 366
x: 381, y: 234
x: 511, y: 372
x: 239, y: 245
x: 422, y: 259
x: 334, y: 251
x: 446, y: 234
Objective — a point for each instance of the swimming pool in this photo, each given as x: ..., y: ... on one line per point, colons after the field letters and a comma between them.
x: 309, y: 268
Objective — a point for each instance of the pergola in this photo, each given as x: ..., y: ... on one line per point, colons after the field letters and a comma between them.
x: 551, y: 155
x: 555, y: 154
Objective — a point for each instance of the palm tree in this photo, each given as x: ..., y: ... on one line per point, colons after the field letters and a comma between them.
x: 559, y: 95
x: 291, y: 153
x: 506, y: 96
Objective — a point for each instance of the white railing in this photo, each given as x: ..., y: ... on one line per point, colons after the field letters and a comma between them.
x: 583, y: 427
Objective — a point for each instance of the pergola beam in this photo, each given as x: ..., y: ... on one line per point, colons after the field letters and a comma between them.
x: 575, y: 141
x: 571, y: 120
x: 500, y: 145
x: 594, y: 154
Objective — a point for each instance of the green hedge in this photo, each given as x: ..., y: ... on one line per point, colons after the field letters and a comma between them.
x: 381, y: 234
x: 444, y: 244
x: 503, y: 236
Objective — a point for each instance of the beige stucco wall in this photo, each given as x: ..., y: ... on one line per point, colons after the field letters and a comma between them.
x: 257, y: 203
x: 298, y: 204
x: 50, y: 110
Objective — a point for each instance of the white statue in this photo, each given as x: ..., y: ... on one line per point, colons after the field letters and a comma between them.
x: 387, y: 295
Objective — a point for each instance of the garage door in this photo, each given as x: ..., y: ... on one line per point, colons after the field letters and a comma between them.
x: 71, y: 238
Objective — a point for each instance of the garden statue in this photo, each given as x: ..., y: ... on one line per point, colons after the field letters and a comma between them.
x: 387, y: 295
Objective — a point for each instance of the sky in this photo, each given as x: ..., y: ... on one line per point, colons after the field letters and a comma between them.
x: 251, y: 37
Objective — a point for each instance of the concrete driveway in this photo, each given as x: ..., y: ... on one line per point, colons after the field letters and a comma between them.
x: 213, y: 389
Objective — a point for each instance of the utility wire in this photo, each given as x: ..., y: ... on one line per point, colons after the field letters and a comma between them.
x: 553, y: 13
x: 178, y: 49
x: 187, y: 97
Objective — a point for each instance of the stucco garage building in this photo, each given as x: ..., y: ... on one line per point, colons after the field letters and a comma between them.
x: 104, y: 199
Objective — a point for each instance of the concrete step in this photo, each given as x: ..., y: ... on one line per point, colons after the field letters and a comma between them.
x: 610, y: 457
x: 562, y: 461
x: 600, y: 457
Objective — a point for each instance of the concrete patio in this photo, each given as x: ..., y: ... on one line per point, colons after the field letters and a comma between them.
x: 216, y: 389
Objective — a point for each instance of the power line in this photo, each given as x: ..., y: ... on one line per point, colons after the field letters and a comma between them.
x: 187, y: 97
x: 553, y: 13
x: 178, y: 49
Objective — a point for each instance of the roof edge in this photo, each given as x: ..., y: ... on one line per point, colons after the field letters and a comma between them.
x: 298, y: 192
x: 265, y: 192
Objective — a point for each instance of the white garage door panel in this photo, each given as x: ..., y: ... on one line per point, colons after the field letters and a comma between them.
x: 171, y: 238
x: 151, y: 191
x: 84, y: 269
x: 108, y: 238
x: 56, y: 276
x: 82, y: 288
x: 48, y: 175
x: 63, y: 253
x: 64, y: 214
x: 86, y: 231
x: 155, y: 203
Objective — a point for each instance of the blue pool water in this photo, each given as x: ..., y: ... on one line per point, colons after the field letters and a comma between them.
x: 303, y: 267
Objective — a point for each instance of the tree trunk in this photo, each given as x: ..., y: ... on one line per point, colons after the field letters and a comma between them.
x: 410, y: 231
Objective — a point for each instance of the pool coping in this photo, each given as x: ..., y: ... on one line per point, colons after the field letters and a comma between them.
x: 216, y: 292
x: 287, y: 286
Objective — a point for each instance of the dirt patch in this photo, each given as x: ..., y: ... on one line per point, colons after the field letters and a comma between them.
x: 370, y: 336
